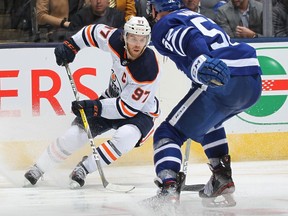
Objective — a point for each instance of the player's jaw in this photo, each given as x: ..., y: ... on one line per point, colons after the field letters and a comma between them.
x: 135, y: 51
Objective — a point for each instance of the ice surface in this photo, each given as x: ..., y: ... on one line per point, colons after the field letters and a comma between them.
x: 261, y: 189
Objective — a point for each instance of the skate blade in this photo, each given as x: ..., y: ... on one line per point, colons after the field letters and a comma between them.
x: 27, y: 183
x: 225, y: 200
x: 74, y: 185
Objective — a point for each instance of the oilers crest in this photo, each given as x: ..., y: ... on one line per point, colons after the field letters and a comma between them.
x: 115, y: 87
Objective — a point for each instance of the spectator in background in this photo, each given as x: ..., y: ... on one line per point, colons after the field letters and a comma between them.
x: 196, y: 6
x: 8, y: 6
x: 20, y: 13
x: 127, y: 6
x: 76, y: 5
x: 53, y: 15
x: 141, y: 8
x: 193, y: 5
x: 280, y: 18
x: 274, y: 2
x: 56, y: 13
x: 241, y: 18
x: 52, y: 12
x: 98, y: 12
x: 209, y: 7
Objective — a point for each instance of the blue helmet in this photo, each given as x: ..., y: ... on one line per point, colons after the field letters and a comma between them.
x: 166, y: 5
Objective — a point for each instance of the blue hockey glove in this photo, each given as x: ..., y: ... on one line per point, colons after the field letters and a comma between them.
x: 210, y: 71
x: 92, y: 108
x: 65, y: 53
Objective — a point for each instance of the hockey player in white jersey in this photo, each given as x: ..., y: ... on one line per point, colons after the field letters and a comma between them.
x: 128, y: 104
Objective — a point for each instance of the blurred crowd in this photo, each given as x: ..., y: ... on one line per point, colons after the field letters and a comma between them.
x: 55, y: 20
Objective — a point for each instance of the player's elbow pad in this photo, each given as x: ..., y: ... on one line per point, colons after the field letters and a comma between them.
x: 210, y: 71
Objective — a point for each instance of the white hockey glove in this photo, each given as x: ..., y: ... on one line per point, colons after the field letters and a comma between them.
x: 210, y: 71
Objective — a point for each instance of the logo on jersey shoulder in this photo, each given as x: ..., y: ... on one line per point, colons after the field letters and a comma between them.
x: 171, y: 41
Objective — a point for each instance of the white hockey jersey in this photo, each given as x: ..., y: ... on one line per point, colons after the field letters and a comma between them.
x: 133, y: 84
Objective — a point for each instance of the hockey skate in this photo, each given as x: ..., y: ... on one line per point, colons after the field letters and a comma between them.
x: 218, y: 190
x: 33, y: 175
x: 167, y: 199
x: 78, y: 175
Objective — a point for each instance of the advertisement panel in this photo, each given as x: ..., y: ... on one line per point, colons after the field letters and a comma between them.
x: 270, y: 113
x: 35, y: 97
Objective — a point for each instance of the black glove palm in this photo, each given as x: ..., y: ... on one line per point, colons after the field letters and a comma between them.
x: 65, y: 53
x: 92, y: 108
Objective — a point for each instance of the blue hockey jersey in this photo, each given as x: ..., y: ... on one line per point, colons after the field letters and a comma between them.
x: 183, y: 35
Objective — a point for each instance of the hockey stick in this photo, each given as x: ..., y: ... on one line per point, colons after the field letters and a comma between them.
x: 106, y: 184
x: 184, y: 187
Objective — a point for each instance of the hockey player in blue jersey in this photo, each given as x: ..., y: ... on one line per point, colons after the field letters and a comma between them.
x: 225, y: 81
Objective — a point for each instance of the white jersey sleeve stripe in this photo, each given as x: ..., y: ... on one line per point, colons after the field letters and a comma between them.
x: 125, y: 110
x: 88, y: 35
x: 80, y: 39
